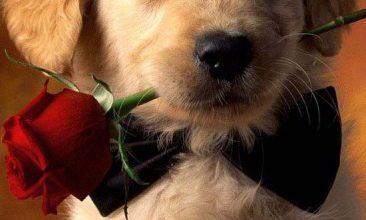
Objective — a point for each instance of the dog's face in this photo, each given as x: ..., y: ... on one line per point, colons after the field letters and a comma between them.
x: 212, y: 62
x: 211, y: 57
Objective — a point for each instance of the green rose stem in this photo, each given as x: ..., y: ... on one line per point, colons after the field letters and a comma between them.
x: 339, y: 21
x: 125, y: 105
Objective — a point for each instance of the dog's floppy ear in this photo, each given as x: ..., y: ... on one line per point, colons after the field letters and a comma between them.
x: 44, y: 31
x: 319, y: 12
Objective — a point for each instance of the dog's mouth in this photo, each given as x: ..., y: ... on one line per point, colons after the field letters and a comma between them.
x: 223, y: 108
x: 219, y: 100
x: 223, y: 96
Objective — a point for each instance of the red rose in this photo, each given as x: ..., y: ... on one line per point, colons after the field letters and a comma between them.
x: 57, y: 145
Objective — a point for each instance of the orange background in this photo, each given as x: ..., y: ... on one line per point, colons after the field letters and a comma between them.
x: 18, y: 86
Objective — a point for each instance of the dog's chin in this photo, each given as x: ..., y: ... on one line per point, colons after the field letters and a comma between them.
x: 232, y: 104
x: 233, y: 111
x: 230, y: 101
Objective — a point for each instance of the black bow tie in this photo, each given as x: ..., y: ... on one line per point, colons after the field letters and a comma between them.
x: 299, y: 163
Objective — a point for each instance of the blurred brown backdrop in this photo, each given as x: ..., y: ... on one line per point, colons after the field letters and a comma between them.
x: 18, y: 86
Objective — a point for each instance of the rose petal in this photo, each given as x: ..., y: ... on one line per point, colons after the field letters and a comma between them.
x: 53, y: 191
x: 19, y: 135
x: 37, y: 105
x: 22, y: 177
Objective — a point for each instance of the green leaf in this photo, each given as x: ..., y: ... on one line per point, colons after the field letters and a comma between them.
x: 102, y: 93
x: 57, y: 76
x: 123, y: 156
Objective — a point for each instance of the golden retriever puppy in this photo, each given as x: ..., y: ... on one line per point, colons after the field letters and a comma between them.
x: 218, y: 66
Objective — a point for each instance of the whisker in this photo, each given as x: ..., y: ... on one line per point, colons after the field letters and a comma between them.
x: 299, y: 67
x: 316, y: 58
x: 293, y: 97
x: 286, y: 37
x: 314, y: 97
x: 280, y: 91
x: 333, y: 105
x: 312, y: 93
x: 303, y: 100
x: 328, y: 67
x: 310, y: 89
x: 300, y: 94
x: 282, y: 98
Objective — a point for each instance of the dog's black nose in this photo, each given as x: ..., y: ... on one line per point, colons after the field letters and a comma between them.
x: 223, y: 55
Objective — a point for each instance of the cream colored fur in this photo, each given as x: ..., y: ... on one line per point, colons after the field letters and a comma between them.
x: 137, y: 44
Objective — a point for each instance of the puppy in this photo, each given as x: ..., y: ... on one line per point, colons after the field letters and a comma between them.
x: 137, y: 44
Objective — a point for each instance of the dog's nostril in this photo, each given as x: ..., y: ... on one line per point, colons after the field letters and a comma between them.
x: 222, y: 54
